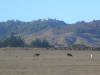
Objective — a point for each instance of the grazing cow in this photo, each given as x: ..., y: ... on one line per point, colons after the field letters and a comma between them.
x: 69, y: 54
x: 36, y: 54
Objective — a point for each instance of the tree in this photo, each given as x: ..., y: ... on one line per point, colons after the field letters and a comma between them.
x: 40, y: 43
x: 13, y: 41
x: 45, y: 44
x: 1, y: 44
x: 36, y: 43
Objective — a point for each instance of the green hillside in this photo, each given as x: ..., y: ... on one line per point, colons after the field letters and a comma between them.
x: 55, y: 31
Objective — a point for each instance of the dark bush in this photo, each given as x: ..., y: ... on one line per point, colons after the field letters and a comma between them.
x: 40, y: 43
x: 13, y: 41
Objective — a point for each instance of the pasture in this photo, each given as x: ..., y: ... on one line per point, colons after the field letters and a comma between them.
x: 19, y: 61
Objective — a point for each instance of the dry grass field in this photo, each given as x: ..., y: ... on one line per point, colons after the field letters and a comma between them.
x: 18, y: 61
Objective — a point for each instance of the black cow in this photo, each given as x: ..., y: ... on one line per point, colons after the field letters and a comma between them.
x: 69, y: 54
x: 36, y: 54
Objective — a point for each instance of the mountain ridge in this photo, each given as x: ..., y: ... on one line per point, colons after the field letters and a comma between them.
x: 55, y: 31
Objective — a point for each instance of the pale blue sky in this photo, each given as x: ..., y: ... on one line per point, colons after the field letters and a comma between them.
x: 67, y: 10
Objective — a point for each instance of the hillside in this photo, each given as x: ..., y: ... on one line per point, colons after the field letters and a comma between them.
x: 56, y: 32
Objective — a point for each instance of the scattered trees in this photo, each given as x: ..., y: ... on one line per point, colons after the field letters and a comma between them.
x: 16, y: 41
x: 40, y: 43
x: 12, y: 41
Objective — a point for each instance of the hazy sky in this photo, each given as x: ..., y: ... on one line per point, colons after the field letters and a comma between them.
x: 67, y: 10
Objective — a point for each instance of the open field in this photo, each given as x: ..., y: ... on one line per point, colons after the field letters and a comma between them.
x: 18, y: 61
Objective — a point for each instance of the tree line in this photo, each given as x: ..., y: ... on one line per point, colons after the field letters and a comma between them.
x: 16, y: 41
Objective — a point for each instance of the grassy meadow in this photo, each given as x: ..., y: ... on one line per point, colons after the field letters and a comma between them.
x: 22, y: 61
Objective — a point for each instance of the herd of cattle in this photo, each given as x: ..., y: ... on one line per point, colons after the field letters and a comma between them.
x: 68, y: 54
x: 38, y: 54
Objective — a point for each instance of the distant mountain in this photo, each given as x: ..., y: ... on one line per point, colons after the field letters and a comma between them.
x: 55, y: 31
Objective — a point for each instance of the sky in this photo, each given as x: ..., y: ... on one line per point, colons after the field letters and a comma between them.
x: 69, y: 11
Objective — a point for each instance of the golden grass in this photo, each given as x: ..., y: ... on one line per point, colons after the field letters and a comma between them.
x: 19, y: 61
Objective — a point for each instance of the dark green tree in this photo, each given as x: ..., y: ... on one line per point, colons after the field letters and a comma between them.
x: 13, y: 41
x: 40, y: 43
x: 45, y: 44
x: 36, y: 43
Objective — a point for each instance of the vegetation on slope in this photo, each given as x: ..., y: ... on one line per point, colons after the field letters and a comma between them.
x: 54, y: 31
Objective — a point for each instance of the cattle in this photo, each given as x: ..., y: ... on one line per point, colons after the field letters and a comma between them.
x: 69, y: 54
x: 36, y: 54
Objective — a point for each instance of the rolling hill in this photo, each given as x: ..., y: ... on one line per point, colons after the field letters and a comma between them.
x: 55, y: 31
